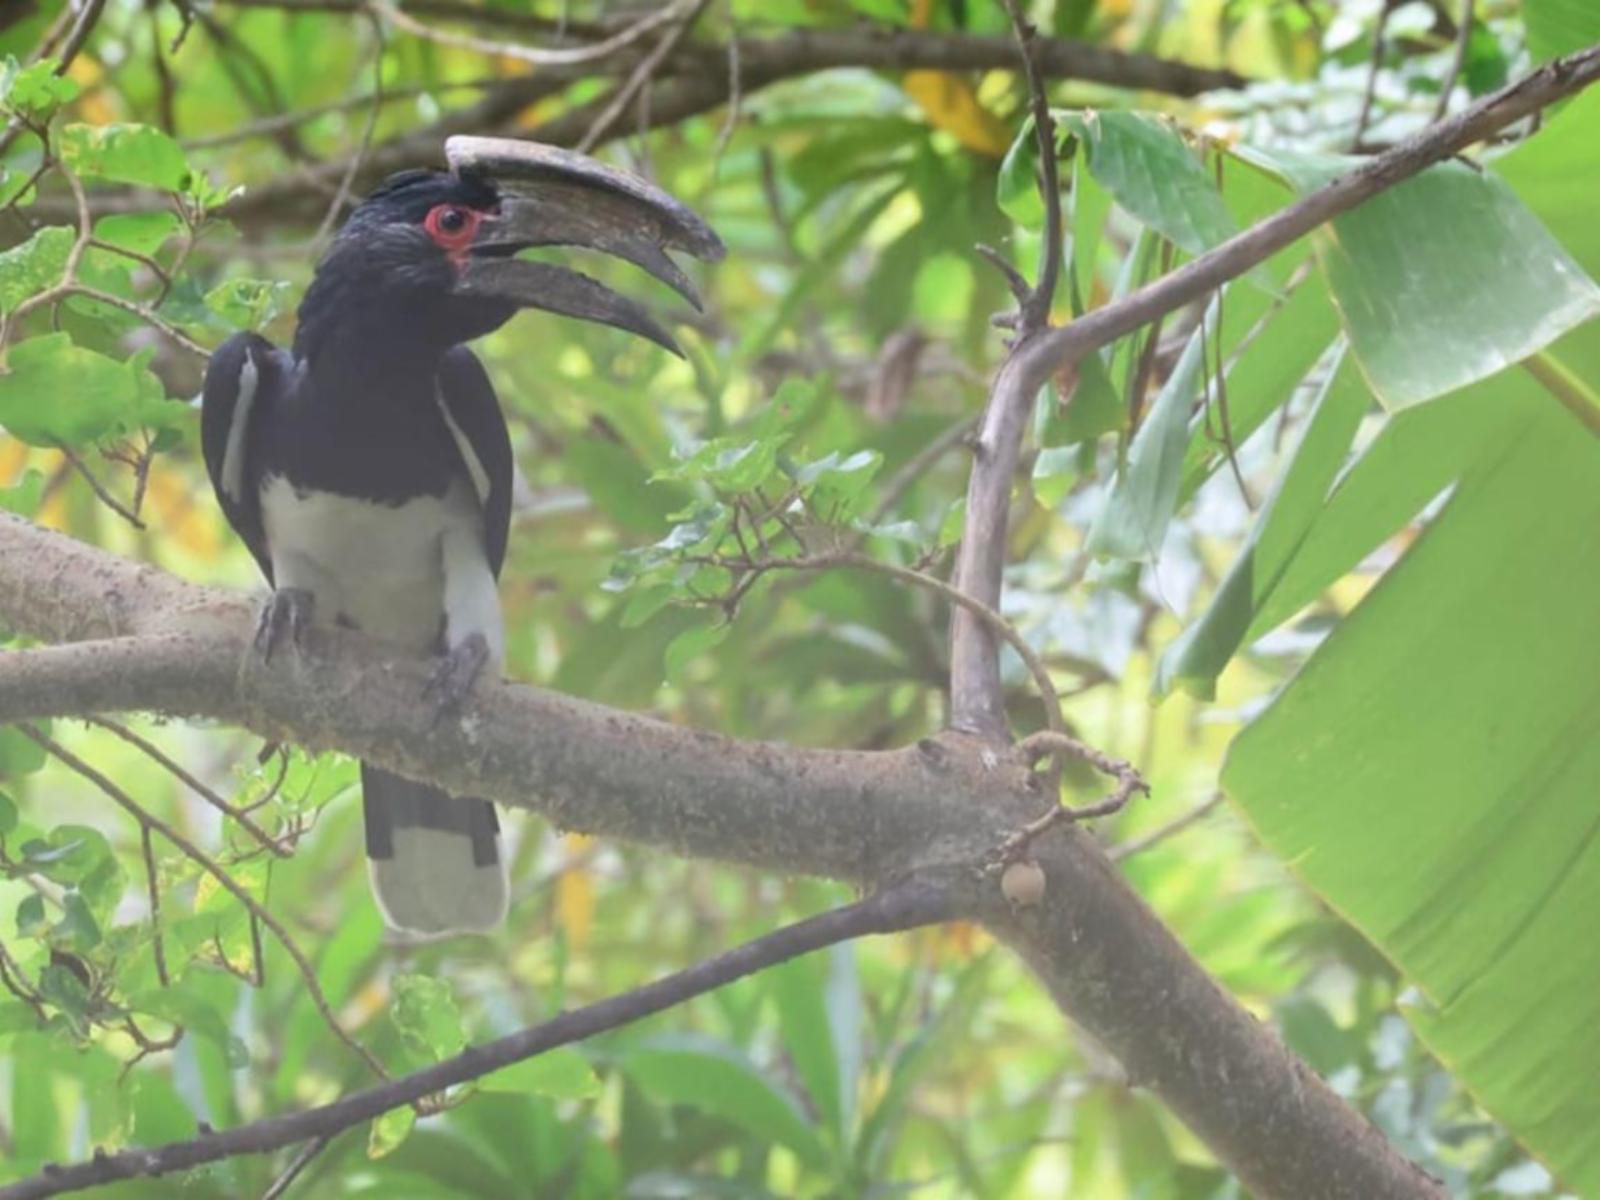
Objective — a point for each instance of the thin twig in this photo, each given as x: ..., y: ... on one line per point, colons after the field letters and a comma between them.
x: 99, y: 488
x: 735, y: 91
x: 1035, y: 310
x: 1138, y: 845
x: 1457, y: 60
x: 538, y: 56
x: 177, y: 770
x: 211, y: 867
x: 158, y: 945
x: 1374, y: 69
x: 686, y: 14
x: 347, y: 182
x: 1052, y: 742
x: 299, y: 1163
x: 906, y: 906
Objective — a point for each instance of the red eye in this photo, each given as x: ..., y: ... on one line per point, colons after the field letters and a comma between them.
x: 451, y: 226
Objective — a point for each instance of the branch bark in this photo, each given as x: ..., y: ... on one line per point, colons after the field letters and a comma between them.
x: 131, y: 637
x: 693, y: 79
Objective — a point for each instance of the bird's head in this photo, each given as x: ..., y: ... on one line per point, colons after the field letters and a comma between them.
x: 431, y: 256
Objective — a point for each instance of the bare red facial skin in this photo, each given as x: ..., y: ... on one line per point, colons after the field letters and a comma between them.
x: 452, y: 228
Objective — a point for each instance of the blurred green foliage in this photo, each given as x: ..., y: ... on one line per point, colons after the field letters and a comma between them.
x: 1217, y: 495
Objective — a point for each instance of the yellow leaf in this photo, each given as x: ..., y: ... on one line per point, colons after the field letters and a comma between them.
x: 575, y: 895
x: 951, y: 104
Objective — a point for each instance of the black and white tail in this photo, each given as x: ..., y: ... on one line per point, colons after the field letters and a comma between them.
x: 435, y: 860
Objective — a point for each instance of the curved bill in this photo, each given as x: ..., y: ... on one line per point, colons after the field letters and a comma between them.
x: 550, y: 196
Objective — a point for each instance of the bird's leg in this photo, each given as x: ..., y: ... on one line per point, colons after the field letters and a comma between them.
x: 455, y: 674
x: 287, y: 609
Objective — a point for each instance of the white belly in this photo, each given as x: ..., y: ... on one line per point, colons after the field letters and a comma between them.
x: 379, y: 567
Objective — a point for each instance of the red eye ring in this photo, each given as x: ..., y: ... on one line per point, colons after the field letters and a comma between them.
x: 452, y: 226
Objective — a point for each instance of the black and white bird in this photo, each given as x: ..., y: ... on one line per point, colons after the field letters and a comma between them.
x: 369, y: 469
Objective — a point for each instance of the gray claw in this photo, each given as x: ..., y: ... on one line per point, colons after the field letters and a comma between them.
x: 286, y: 610
x: 455, y: 674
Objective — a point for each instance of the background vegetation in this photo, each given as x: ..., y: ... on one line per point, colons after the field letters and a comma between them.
x: 1403, y: 880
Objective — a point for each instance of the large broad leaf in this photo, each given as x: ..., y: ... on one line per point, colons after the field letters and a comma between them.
x: 57, y: 392
x: 1557, y: 27
x: 1443, y: 280
x: 1433, y: 770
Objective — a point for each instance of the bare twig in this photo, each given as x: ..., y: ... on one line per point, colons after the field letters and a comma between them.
x: 158, y: 945
x: 1145, y: 841
x: 299, y: 1163
x: 1374, y: 69
x: 538, y: 56
x: 347, y: 182
x: 685, y: 13
x: 99, y: 488
x: 903, y: 907
x: 1457, y: 60
x: 179, y: 772
x: 1053, y: 742
x: 1035, y: 310
x: 211, y: 867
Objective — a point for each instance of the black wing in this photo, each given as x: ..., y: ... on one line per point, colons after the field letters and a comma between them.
x: 480, y: 433
x: 245, y: 377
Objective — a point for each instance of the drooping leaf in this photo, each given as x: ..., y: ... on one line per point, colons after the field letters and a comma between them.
x: 1143, y: 497
x: 58, y: 392
x: 389, y: 1131
x: 1442, y: 280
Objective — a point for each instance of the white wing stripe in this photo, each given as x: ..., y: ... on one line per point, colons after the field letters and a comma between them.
x: 475, y: 468
x: 233, y: 456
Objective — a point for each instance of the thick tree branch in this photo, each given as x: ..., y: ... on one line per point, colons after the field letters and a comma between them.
x: 693, y: 79
x: 904, y: 907
x: 933, y: 810
x: 975, y: 669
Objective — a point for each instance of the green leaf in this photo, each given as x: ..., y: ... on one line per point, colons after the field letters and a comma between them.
x: 68, y: 854
x: 690, y: 645
x: 35, y: 91
x: 188, y: 1001
x: 1442, y: 280
x: 424, y: 1011
x: 36, y: 265
x: 138, y: 154
x: 248, y: 304
x: 8, y: 814
x: 19, y: 755
x: 31, y: 919
x: 798, y: 987
x: 23, y: 498
x: 1017, y: 186
x: 1557, y: 27
x: 1443, y: 736
x: 716, y: 1078
x: 1143, y: 497
x: 143, y: 233
x: 561, y: 1074
x: 390, y: 1131
x: 77, y: 929
x: 1145, y: 163
x: 93, y: 396
x: 1198, y: 656
x: 61, y: 987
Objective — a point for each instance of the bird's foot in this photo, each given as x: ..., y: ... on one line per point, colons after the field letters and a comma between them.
x: 288, y: 610
x: 455, y: 674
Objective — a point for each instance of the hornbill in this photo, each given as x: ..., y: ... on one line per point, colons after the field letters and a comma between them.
x: 369, y: 469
